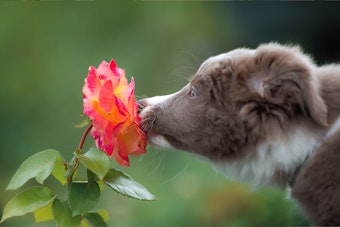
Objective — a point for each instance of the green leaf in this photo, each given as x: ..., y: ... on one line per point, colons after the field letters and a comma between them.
x: 104, y: 214
x: 91, y: 177
x: 63, y: 215
x: 101, y: 185
x: 95, y: 220
x: 83, y: 123
x: 44, y: 213
x: 96, y: 161
x: 84, y: 223
x: 83, y: 196
x: 28, y: 201
x: 59, y: 171
x: 39, y: 165
x: 125, y: 185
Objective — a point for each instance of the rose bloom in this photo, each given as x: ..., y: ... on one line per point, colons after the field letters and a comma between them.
x: 109, y: 101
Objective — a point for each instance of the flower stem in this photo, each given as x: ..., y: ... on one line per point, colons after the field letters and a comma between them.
x: 82, y: 140
x: 74, y: 166
x: 75, y: 161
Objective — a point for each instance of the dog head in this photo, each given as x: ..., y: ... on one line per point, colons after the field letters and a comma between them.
x: 236, y: 100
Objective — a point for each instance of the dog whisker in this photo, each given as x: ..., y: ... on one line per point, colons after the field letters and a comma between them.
x: 147, y: 123
x: 181, y: 172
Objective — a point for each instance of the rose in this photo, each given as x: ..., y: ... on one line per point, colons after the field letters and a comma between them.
x: 109, y: 101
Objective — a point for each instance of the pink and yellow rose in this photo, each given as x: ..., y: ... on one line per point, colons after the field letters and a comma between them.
x: 109, y: 101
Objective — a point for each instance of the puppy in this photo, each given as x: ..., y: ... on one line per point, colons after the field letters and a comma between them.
x: 268, y: 116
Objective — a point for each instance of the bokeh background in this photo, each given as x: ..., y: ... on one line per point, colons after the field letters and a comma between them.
x: 46, y: 48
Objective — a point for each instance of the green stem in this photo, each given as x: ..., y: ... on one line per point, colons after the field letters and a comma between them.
x: 73, y: 166
x: 75, y: 161
x: 82, y: 140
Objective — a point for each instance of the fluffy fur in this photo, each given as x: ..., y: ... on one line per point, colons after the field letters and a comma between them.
x: 266, y: 116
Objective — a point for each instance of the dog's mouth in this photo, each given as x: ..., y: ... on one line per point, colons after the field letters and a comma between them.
x: 147, y: 123
x: 155, y: 138
x: 159, y: 141
x: 156, y: 135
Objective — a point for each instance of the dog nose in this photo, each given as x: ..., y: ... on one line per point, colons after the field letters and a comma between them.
x: 141, y: 105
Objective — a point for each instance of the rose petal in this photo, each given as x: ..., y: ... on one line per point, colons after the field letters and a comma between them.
x: 133, y: 107
x: 125, y: 92
x: 103, y: 69
x: 116, y: 70
x: 120, y: 155
x: 130, y: 139
x: 91, y: 82
x: 99, y: 124
x: 106, y: 96
x: 120, y: 106
x: 112, y: 130
x: 108, y: 147
x: 113, y: 67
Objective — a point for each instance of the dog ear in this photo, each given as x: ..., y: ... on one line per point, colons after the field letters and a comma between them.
x: 297, y: 89
x: 286, y: 78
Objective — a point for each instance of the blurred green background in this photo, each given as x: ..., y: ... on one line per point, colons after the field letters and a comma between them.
x: 46, y: 48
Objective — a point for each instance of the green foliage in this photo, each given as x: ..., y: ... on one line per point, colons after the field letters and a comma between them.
x: 95, y: 219
x: 83, y: 196
x: 44, y: 213
x: 28, y: 201
x: 59, y: 171
x: 83, y: 123
x: 39, y: 165
x: 126, y: 186
x: 63, y: 214
x: 96, y: 161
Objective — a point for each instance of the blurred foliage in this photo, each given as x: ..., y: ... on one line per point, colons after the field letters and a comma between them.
x: 46, y: 48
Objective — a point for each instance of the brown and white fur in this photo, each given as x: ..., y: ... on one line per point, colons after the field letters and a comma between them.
x: 268, y: 116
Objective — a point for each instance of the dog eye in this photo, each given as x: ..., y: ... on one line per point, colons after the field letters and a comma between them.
x: 193, y: 93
